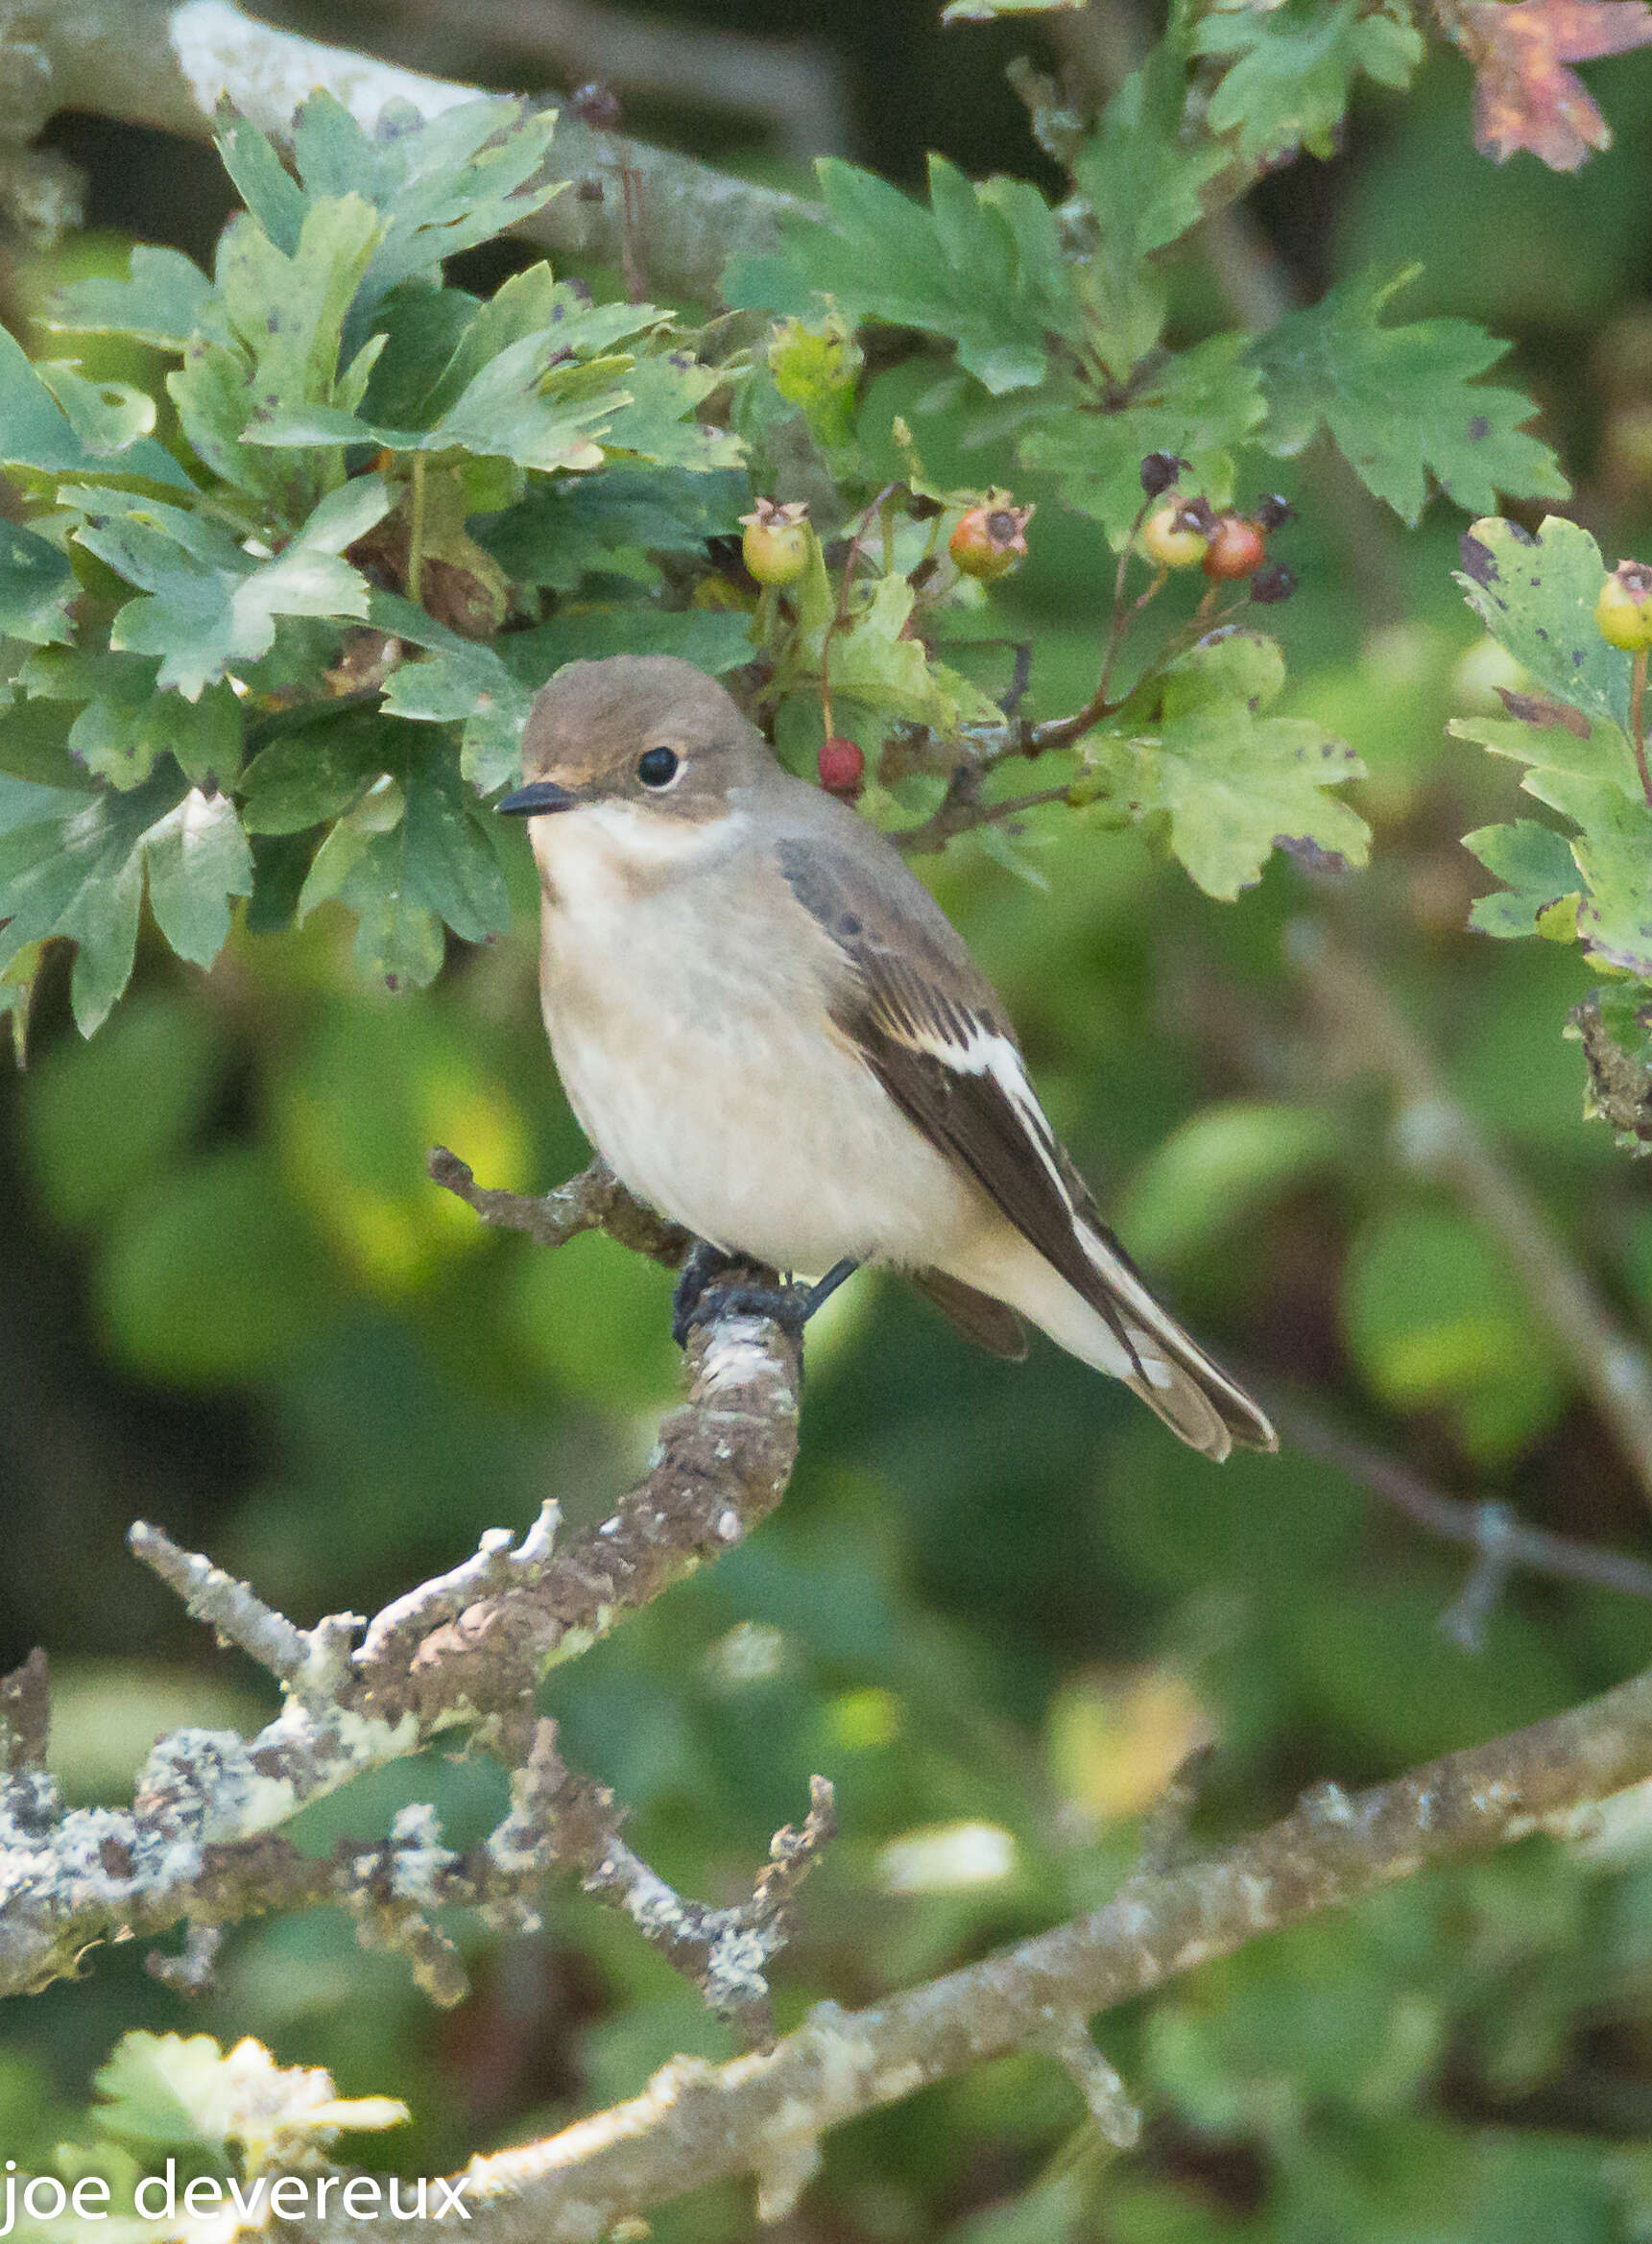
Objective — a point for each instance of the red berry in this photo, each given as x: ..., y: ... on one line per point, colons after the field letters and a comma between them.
x: 1235, y: 548
x: 990, y: 537
x: 776, y: 546
x: 842, y: 767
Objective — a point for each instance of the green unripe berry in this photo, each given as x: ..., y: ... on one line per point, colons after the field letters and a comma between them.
x: 1623, y: 612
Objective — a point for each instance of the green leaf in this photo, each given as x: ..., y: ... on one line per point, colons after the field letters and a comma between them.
x: 441, y: 183
x: 1436, y: 1321
x: 35, y: 432
x: 713, y: 639
x: 312, y: 772
x: 871, y: 663
x: 1402, y: 403
x: 657, y: 422
x: 468, y: 684
x: 208, y: 602
x: 273, y: 197
x: 1142, y: 181
x: 816, y: 366
x: 1611, y: 854
x: 1536, y: 596
x: 36, y: 587
x: 1230, y: 1161
x: 414, y: 853
x: 1538, y: 866
x: 1296, y: 67
x: 165, y: 301
x: 559, y: 531
x: 981, y: 266
x: 83, y: 876
x: 128, y: 724
x: 1202, y: 404
x: 198, y: 859
x: 289, y: 310
x: 108, y: 416
x: 1234, y: 784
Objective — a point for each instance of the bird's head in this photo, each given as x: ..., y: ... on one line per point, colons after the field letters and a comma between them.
x: 645, y: 733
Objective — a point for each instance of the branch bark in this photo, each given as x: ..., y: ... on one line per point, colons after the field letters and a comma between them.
x: 199, y: 1843
x: 762, y: 2113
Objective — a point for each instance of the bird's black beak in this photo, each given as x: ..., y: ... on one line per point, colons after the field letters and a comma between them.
x: 537, y: 800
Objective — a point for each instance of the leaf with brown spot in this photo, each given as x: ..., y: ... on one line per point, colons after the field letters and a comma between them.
x: 1536, y: 710
x: 1524, y: 96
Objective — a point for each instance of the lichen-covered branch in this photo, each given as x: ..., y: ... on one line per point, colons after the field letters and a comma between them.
x: 201, y: 1842
x: 762, y: 2113
x: 560, y: 1818
x: 153, y: 64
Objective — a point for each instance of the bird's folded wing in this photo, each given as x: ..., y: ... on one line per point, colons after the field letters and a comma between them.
x: 930, y: 1027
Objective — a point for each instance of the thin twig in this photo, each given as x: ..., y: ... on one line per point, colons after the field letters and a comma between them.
x: 1440, y: 1136
x: 1532, y: 1550
x: 964, y: 814
x: 1637, y: 719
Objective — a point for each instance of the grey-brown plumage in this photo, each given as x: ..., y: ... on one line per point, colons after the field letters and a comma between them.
x: 772, y: 1032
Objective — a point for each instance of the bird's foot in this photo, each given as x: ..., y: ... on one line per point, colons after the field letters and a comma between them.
x: 715, y: 1284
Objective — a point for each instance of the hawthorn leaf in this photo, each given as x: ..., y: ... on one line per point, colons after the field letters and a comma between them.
x: 1294, y: 68
x: 981, y: 266
x: 415, y: 852
x: 1234, y: 782
x: 1538, y: 867
x: 164, y: 299
x: 81, y: 875
x: 198, y: 858
x: 1593, y: 780
x: 106, y: 415
x: 1204, y: 403
x: 35, y: 432
x: 558, y: 531
x: 1402, y: 403
x: 1536, y: 596
x: 1143, y: 180
x: 204, y: 602
x: 312, y: 772
x: 873, y: 663
x: 656, y: 421
x: 36, y: 589
x: 470, y: 686
x: 441, y: 183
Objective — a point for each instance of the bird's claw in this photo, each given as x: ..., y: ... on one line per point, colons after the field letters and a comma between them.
x: 714, y: 1285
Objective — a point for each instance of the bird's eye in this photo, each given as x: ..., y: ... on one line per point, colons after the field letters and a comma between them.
x: 658, y: 767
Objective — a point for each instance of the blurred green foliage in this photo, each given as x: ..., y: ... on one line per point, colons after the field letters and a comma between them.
x: 995, y: 1595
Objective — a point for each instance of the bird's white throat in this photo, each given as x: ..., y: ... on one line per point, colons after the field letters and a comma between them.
x: 600, y: 855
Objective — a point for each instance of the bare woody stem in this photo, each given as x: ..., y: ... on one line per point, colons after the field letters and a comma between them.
x: 1637, y: 719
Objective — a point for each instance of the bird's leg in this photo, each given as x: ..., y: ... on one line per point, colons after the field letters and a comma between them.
x: 711, y: 1286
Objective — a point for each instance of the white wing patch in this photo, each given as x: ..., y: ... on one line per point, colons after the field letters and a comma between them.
x: 984, y: 1050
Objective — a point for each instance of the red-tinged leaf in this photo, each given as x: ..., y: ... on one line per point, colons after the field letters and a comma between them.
x: 1524, y: 96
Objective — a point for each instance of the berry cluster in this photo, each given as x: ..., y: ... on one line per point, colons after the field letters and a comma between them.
x: 1227, y: 546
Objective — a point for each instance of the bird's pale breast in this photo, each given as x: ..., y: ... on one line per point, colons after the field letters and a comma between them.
x: 696, y: 1049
